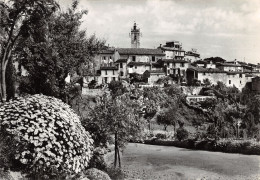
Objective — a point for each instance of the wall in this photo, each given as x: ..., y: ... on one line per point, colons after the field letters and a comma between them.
x: 138, y: 69
x: 154, y: 78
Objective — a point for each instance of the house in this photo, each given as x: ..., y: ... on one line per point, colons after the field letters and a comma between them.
x: 230, y: 67
x: 152, y: 76
x: 103, y: 58
x: 109, y: 73
x: 175, y: 67
x: 229, y: 78
x: 200, y: 74
x: 173, y: 50
x: 137, y: 60
x: 192, y: 56
x: 122, y: 67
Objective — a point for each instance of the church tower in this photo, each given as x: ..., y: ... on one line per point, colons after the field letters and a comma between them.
x: 135, y: 37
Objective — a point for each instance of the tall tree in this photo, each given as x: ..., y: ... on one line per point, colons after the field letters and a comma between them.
x: 117, y: 117
x: 19, y: 18
x: 65, y: 49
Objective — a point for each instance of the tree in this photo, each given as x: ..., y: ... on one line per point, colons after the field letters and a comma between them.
x: 19, y: 19
x: 206, y: 82
x: 118, y: 117
x: 64, y: 49
x: 167, y: 118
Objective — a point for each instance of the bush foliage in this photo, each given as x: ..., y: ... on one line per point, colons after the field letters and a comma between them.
x: 49, y: 133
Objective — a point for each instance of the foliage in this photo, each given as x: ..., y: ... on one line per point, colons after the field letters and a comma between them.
x: 19, y: 19
x: 59, y: 49
x: 206, y: 82
x: 50, y: 134
x: 182, y: 134
x: 118, y: 117
x: 92, y: 84
x: 95, y: 174
x: 117, y: 88
x: 168, y: 117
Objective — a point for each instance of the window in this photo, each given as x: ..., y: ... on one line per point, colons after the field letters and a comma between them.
x: 229, y: 81
x: 105, y: 72
x: 240, y: 82
x: 113, y: 72
x: 182, y: 64
x: 133, y: 58
x: 105, y: 78
x: 153, y: 58
x: 114, y: 78
x: 121, y: 65
x: 104, y: 57
x: 240, y: 76
x: 204, y: 73
x: 131, y: 66
x: 168, y: 64
x: 135, y: 67
x: 121, y: 73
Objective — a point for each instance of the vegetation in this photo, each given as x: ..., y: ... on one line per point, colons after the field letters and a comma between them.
x: 18, y: 20
x: 57, y: 50
x: 49, y: 137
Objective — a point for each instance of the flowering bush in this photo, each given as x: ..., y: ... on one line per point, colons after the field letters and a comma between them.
x: 51, y: 135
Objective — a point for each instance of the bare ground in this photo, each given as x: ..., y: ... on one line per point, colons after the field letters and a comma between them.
x: 142, y: 161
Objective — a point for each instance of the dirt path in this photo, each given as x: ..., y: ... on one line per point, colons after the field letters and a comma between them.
x: 161, y: 162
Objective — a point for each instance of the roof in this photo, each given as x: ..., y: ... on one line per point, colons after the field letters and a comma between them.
x: 171, y: 49
x: 206, y: 70
x: 109, y: 68
x: 174, y: 61
x: 140, y: 51
x: 229, y: 65
x: 200, y: 62
x: 121, y: 60
x: 190, y: 53
x: 156, y: 71
x: 106, y: 51
x: 138, y: 64
x: 235, y: 72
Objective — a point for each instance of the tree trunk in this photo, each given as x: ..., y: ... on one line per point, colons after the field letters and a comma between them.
x: 3, y: 84
x: 115, y: 160
x: 119, y: 160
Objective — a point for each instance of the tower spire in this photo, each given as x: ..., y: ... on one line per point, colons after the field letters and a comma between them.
x: 135, y: 36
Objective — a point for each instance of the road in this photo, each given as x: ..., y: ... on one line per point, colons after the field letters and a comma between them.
x: 142, y: 161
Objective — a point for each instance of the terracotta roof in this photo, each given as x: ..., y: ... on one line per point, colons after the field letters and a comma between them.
x: 138, y: 64
x: 140, y: 51
x: 109, y: 68
x: 121, y: 60
x: 174, y: 61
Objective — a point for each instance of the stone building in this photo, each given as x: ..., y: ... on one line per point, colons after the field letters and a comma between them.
x: 173, y: 50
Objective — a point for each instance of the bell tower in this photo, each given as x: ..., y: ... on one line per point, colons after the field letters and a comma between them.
x: 135, y: 37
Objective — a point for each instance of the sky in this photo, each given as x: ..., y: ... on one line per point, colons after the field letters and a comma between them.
x: 226, y: 28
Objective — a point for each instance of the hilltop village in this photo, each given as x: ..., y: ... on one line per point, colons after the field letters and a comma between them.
x: 168, y: 62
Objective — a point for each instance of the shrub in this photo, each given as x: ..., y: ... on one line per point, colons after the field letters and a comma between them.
x: 182, y: 134
x: 52, y: 138
x: 160, y: 136
x: 95, y: 174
